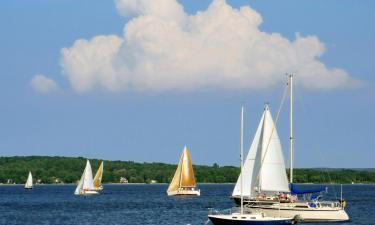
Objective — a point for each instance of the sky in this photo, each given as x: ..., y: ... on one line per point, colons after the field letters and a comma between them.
x: 138, y: 80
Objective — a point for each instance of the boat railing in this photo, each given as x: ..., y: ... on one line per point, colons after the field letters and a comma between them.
x: 234, y: 210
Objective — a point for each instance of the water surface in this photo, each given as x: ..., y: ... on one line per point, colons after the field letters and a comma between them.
x: 142, y: 204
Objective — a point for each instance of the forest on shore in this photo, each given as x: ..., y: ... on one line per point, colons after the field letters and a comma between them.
x: 48, y: 169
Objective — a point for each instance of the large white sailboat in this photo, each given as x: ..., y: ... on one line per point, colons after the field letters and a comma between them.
x: 98, y: 178
x: 242, y: 216
x: 183, y: 182
x: 86, y: 185
x: 267, y: 189
x: 29, y: 181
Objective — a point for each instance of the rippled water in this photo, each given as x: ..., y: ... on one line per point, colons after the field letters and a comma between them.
x: 140, y: 204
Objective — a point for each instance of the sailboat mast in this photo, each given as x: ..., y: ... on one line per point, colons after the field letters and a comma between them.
x: 291, y: 149
x: 241, y: 157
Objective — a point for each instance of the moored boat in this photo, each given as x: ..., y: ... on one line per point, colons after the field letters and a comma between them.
x: 237, y: 218
x: 246, y: 216
x: 266, y: 186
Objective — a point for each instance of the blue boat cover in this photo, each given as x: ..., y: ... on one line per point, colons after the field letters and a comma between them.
x: 295, y: 189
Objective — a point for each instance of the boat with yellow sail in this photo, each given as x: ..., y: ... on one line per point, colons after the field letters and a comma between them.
x: 98, y: 178
x: 183, y: 182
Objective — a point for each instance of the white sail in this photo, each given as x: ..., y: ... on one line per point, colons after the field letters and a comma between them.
x: 272, y: 173
x: 250, y: 166
x: 80, y: 185
x: 29, y: 181
x: 86, y: 182
x: 264, y: 168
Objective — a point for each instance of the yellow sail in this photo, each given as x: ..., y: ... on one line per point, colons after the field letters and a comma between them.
x: 98, y: 177
x: 184, y: 175
x: 175, y: 184
x: 187, y: 173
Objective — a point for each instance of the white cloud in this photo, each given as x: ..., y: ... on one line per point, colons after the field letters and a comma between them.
x: 42, y: 84
x: 163, y: 48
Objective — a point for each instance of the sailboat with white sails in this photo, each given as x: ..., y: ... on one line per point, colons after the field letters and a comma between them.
x: 86, y: 185
x: 246, y: 216
x: 29, y: 181
x: 266, y: 186
x: 183, y: 182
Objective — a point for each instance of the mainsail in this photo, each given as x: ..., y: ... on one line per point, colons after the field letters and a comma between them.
x: 29, y: 181
x: 98, y: 177
x: 86, y: 181
x: 184, y: 175
x: 264, y: 168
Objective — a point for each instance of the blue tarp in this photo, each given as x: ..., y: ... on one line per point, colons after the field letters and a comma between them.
x: 295, y: 189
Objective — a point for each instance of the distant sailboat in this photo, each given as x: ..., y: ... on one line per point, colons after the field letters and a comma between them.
x: 183, y: 182
x: 86, y: 185
x: 98, y: 178
x: 29, y: 181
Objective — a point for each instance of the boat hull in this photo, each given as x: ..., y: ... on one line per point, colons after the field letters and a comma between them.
x: 230, y: 220
x: 307, y: 215
x: 299, y: 209
x: 185, y: 192
x: 86, y: 193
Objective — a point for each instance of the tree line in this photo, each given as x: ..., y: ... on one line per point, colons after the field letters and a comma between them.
x: 46, y: 169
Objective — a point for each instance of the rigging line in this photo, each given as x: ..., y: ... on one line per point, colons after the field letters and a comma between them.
x: 273, y: 128
x: 305, y: 111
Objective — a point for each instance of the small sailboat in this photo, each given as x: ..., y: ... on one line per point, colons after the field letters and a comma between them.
x: 29, y: 181
x: 183, y: 182
x: 245, y: 217
x: 98, y: 178
x: 86, y: 185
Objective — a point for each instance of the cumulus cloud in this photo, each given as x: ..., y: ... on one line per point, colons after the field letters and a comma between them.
x: 42, y: 84
x: 164, y: 48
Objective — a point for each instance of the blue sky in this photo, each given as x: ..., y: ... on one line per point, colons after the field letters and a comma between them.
x: 333, y: 127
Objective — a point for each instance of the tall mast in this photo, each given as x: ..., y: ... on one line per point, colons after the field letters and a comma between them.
x: 291, y: 149
x: 241, y: 157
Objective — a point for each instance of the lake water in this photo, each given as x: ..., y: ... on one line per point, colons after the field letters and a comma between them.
x: 142, y: 204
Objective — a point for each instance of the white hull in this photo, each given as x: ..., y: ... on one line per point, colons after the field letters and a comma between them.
x: 185, y: 192
x: 29, y: 187
x: 323, y: 214
x: 91, y: 192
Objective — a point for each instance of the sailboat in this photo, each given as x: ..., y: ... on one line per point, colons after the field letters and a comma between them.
x: 183, y: 182
x: 98, y: 178
x: 266, y: 186
x: 29, y: 181
x: 245, y: 217
x: 86, y: 185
